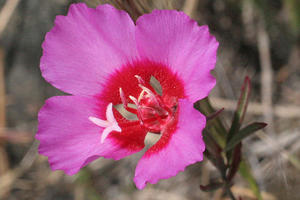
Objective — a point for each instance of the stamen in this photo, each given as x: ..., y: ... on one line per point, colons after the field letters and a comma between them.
x: 109, y: 125
x: 147, y: 90
x: 134, y: 100
x: 150, y: 93
x: 123, y: 98
x: 140, y: 79
x: 149, y: 107
x: 141, y: 95
x: 125, y: 104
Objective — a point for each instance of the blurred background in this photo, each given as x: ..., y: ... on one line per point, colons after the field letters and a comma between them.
x: 258, y: 38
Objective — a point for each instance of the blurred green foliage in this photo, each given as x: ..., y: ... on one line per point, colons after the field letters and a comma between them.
x: 293, y: 9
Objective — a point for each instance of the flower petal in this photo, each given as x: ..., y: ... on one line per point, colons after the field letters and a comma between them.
x: 85, y: 46
x: 185, y: 147
x: 171, y: 37
x: 71, y: 140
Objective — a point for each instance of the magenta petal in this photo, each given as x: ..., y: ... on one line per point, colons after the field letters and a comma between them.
x: 69, y: 139
x: 171, y: 37
x: 184, y: 148
x: 85, y: 46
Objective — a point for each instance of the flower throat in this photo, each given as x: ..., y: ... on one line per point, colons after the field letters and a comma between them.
x: 153, y: 110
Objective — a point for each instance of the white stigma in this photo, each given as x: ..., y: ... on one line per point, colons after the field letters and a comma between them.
x: 109, y: 125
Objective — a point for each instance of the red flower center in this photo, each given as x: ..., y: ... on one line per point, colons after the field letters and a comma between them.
x: 148, y: 90
x: 154, y: 111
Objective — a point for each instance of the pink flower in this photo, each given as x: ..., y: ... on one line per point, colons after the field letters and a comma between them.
x: 113, y: 67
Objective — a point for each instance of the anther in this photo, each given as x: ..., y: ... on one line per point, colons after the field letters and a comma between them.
x: 123, y: 98
x: 134, y: 100
x: 141, y: 95
x: 140, y: 79
x: 149, y: 92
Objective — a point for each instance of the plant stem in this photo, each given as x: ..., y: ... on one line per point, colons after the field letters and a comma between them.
x: 230, y: 194
x: 227, y: 185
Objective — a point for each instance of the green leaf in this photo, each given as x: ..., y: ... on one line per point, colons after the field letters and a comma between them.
x: 246, y: 173
x: 239, y: 113
x: 243, y: 133
x: 218, y: 162
x: 215, y: 126
x: 214, y: 115
x: 213, y: 151
x: 240, y: 109
x: 293, y: 11
x: 236, y: 160
x: 83, y: 176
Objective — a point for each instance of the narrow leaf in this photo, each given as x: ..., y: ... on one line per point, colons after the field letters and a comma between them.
x: 246, y: 173
x: 241, y: 109
x: 218, y: 162
x: 239, y: 113
x: 214, y: 115
x: 236, y: 159
x: 216, y: 126
x: 243, y: 100
x: 213, y: 151
x: 211, y: 143
x: 243, y: 133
